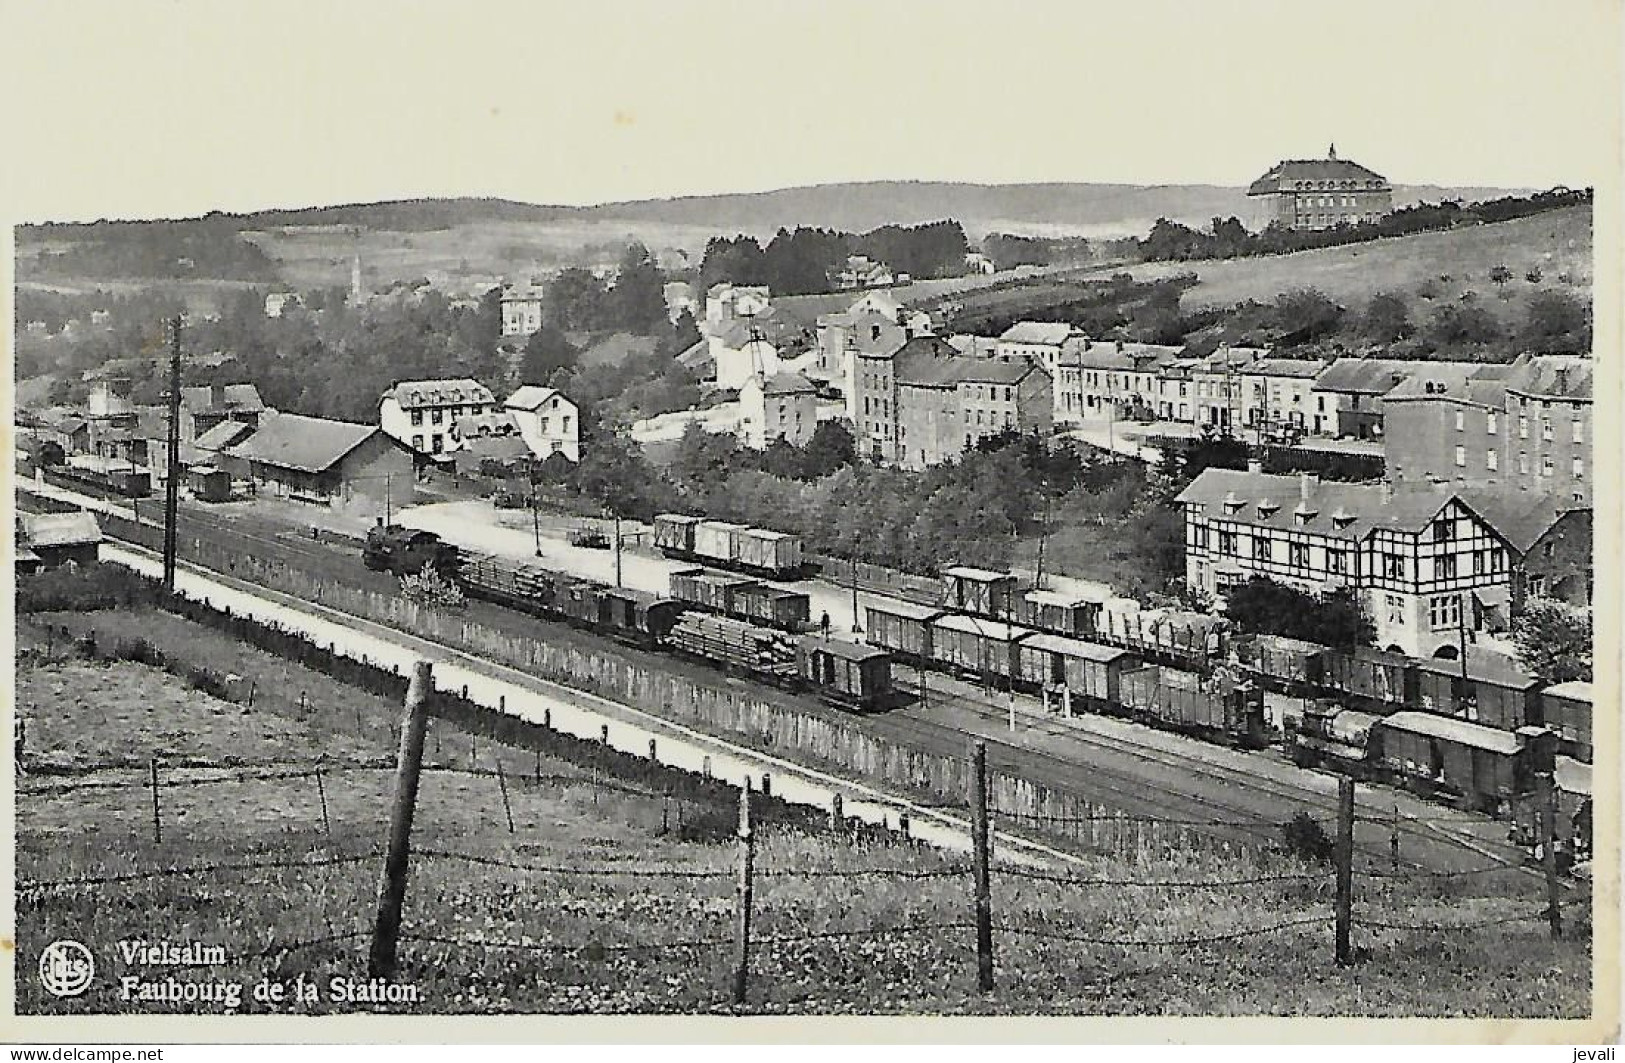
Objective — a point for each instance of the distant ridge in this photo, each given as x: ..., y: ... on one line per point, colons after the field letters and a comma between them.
x: 1090, y: 209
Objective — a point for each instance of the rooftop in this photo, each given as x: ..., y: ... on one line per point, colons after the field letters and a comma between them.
x: 309, y: 444
x: 242, y: 397
x: 60, y: 529
x: 1342, y: 510
x: 1050, y: 333
x: 417, y: 394
x: 223, y: 435
x: 1366, y: 376
x: 1552, y: 376
x: 1521, y: 517
x: 531, y: 397
x: 1329, y: 173
x: 787, y: 384
x: 1453, y: 730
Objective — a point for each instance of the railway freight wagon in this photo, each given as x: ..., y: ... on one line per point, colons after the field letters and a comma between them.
x: 126, y: 483
x: 770, y: 553
x: 902, y: 627
x: 1071, y: 675
x: 1566, y: 709
x: 1374, y: 679
x: 983, y: 648
x: 674, y: 534
x: 1328, y: 735
x: 1486, y: 767
x: 515, y: 584
x: 742, y: 598
x: 708, y: 590
x: 1183, y: 701
x: 979, y: 592
x: 847, y: 673
x: 736, y: 644
x: 719, y: 542
x: 1499, y: 696
x: 1290, y: 666
x: 1062, y: 614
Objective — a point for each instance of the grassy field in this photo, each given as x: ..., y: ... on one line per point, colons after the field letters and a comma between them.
x: 840, y: 927
x: 1558, y: 242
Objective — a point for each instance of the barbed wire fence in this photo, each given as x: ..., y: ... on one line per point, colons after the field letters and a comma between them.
x: 983, y: 922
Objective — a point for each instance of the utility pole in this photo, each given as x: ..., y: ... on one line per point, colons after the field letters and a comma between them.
x: 617, y: 549
x: 535, y: 516
x: 982, y: 844
x: 1344, y: 903
x: 388, y: 513
x: 1461, y: 631
x: 857, y: 626
x: 173, y: 464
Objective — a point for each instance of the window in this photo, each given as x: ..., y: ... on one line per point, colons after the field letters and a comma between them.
x: 1461, y: 420
x: 437, y: 416
x: 1199, y: 536
x: 1548, y: 549
x: 1337, y: 561
x: 417, y: 417
x: 1393, y: 566
x: 1579, y: 433
x: 564, y: 422
x: 1444, y: 612
x: 417, y: 442
x: 1227, y: 542
x: 1547, y: 466
x: 1579, y: 468
x: 1523, y: 427
x: 1479, y: 563
x: 436, y: 443
x: 1261, y: 548
x: 1444, y: 566
x: 1443, y: 529
x: 1461, y: 457
x: 1396, y: 609
x: 1491, y: 460
x: 1546, y: 429
x: 544, y: 425
x: 1298, y: 555
x: 1523, y: 463
x: 1490, y: 425
x: 1537, y: 586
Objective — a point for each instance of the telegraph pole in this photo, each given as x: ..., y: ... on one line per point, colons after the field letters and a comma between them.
x: 535, y: 515
x: 857, y: 626
x: 617, y: 549
x: 173, y: 464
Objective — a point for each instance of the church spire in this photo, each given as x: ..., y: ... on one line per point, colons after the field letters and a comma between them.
x: 1331, y: 152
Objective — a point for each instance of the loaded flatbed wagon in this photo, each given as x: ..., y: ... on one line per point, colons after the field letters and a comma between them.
x: 847, y: 672
x: 902, y: 627
x: 984, y: 648
x: 980, y: 591
x: 1054, y: 611
x: 505, y: 581
x: 726, y: 641
x: 1566, y: 709
x: 1497, y: 694
x: 1081, y: 676
x: 674, y: 534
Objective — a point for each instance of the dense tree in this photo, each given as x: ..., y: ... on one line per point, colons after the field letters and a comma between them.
x: 1386, y: 318
x: 1554, y: 642
x: 574, y: 301
x: 1463, y: 324
x: 547, y: 351
x: 1556, y: 322
x: 830, y: 448
x: 1500, y: 275
x: 637, y: 302
x: 1264, y: 607
x: 1182, y: 463
x: 1306, y: 315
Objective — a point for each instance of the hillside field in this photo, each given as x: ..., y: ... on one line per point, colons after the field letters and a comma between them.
x: 606, y: 898
x: 1558, y: 242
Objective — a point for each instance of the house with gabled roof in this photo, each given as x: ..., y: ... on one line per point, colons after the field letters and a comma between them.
x: 420, y: 413
x: 52, y: 539
x: 547, y: 420
x: 781, y: 406
x: 1037, y: 341
x: 1428, y: 567
x: 325, y: 462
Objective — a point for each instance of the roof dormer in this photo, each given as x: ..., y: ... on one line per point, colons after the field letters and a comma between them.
x: 1267, y: 508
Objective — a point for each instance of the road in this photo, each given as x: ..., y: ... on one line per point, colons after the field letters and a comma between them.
x: 1123, y: 765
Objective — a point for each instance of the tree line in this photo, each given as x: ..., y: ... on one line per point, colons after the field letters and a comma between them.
x: 804, y: 261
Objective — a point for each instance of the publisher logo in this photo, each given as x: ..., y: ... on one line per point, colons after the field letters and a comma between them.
x: 66, y: 968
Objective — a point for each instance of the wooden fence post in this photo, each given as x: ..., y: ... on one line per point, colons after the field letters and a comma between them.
x: 743, y: 898
x: 392, y: 886
x: 1345, y: 869
x: 1546, y: 795
x: 652, y: 758
x: 157, y: 822
x: 1393, y: 839
x: 321, y: 794
x: 837, y: 821
x: 507, y: 808
x: 983, y: 842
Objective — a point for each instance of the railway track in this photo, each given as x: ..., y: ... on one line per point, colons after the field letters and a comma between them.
x: 1113, y: 771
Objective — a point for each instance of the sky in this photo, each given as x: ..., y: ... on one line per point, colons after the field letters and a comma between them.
x: 166, y: 108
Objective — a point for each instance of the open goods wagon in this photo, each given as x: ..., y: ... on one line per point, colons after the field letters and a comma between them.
x: 1184, y: 701
x: 1291, y: 666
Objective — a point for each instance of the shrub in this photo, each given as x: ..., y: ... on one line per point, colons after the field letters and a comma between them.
x: 83, y: 588
x: 1306, y: 839
x: 429, y: 587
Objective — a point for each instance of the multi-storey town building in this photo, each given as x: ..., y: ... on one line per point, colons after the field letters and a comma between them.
x: 521, y: 309
x: 780, y: 406
x: 1424, y: 563
x: 1319, y: 194
x: 1037, y: 341
x: 1526, y: 425
x: 420, y: 413
x: 1278, y: 392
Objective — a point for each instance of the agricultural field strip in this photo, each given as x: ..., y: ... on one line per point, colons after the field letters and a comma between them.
x: 953, y: 828
x: 325, y: 552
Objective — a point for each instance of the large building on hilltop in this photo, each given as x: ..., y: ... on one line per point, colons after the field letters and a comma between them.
x: 1310, y: 194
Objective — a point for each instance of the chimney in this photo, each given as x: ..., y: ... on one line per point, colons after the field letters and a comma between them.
x: 1307, y: 482
x: 1562, y: 380
x: 1387, y: 493
x: 1254, y: 465
x: 217, y: 396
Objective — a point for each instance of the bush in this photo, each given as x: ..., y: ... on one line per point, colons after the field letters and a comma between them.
x: 429, y: 587
x: 84, y: 588
x: 1306, y: 839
